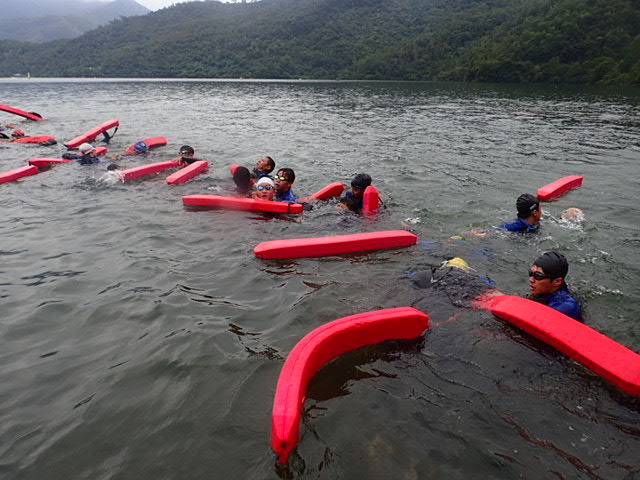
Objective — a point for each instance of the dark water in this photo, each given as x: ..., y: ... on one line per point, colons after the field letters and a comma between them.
x: 140, y: 339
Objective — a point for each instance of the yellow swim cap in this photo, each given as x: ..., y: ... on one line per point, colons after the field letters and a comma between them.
x: 457, y: 262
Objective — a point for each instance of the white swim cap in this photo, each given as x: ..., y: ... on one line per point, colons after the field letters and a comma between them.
x: 85, y: 147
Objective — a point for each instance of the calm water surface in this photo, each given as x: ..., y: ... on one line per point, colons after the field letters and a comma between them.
x: 140, y: 339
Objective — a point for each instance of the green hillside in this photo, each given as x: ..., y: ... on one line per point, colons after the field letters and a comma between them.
x: 576, y: 41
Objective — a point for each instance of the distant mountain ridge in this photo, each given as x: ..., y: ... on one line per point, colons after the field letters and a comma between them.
x: 36, y: 21
x: 561, y: 41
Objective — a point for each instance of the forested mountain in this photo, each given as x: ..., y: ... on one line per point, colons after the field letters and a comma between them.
x: 581, y: 41
x: 38, y: 21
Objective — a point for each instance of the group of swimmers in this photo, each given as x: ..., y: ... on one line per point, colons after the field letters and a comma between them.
x: 547, y: 274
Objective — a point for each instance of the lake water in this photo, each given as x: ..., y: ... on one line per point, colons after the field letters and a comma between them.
x: 140, y: 339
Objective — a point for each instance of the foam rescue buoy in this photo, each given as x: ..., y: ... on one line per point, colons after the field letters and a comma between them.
x: 241, y: 203
x: 334, y: 245
x: 318, y: 348
x: 559, y: 187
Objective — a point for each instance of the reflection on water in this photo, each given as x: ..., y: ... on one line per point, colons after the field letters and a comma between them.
x: 142, y: 339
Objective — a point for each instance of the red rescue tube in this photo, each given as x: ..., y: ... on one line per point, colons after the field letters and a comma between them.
x: 332, y: 190
x: 187, y: 173
x: 233, y: 168
x: 241, y: 203
x: 598, y: 353
x: 47, y: 162
x: 370, y: 201
x: 101, y: 150
x: 141, y: 171
x: 322, y: 345
x: 151, y: 143
x: 12, y: 175
x: 335, y: 245
x: 41, y: 138
x: 16, y: 111
x: 93, y: 133
x: 559, y: 187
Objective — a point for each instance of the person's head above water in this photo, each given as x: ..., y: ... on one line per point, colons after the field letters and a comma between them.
x: 186, y: 151
x: 284, y: 179
x: 528, y: 208
x: 573, y: 213
x: 140, y: 147
x: 359, y: 183
x: 85, y: 148
x: 266, y: 164
x: 265, y: 189
x: 242, y: 179
x: 547, y: 273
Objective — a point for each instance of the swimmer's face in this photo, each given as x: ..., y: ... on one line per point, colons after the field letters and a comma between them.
x: 263, y: 164
x: 357, y: 192
x: 264, y: 192
x: 543, y: 286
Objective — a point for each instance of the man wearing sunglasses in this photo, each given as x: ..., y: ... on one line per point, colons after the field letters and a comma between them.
x: 529, y: 215
x: 284, y: 180
x: 548, y: 286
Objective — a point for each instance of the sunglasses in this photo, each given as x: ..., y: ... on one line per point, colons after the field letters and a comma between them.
x: 281, y: 178
x: 265, y: 187
x: 538, y: 275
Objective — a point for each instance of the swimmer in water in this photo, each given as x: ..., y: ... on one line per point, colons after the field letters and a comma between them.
x: 529, y: 215
x: 284, y: 180
x: 354, y: 199
x: 265, y: 189
x: 263, y: 168
x: 87, y: 155
x: 244, y: 182
x: 547, y: 284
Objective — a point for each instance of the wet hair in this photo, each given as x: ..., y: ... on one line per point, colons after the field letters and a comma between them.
x: 290, y: 174
x: 272, y: 164
x: 186, y: 150
x: 242, y: 178
x: 553, y: 264
x: 526, y: 204
x: 361, y: 181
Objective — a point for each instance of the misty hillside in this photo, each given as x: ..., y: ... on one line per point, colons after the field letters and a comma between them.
x: 577, y: 41
x: 38, y: 21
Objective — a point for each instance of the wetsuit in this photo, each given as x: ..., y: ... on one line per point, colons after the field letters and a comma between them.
x: 563, y: 302
x: 460, y: 287
x: 520, y: 225
x: 82, y: 159
x: 352, y: 202
x: 287, y: 196
x: 258, y: 174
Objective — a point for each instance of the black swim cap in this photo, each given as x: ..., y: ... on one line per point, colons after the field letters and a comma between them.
x: 526, y: 204
x: 361, y: 181
x: 186, y: 150
x: 553, y: 263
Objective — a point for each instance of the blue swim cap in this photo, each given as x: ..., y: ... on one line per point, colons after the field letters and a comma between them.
x: 141, y: 147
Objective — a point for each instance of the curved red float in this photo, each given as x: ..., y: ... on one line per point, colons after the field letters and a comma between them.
x: 187, y: 173
x: 12, y: 175
x: 370, y: 201
x: 16, y: 111
x: 241, y: 203
x: 41, y: 138
x: 322, y: 345
x: 93, y: 133
x: 332, y: 190
x: 559, y: 187
x: 335, y: 245
x: 142, y: 170
x: 151, y: 143
x: 232, y: 168
x: 598, y: 353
